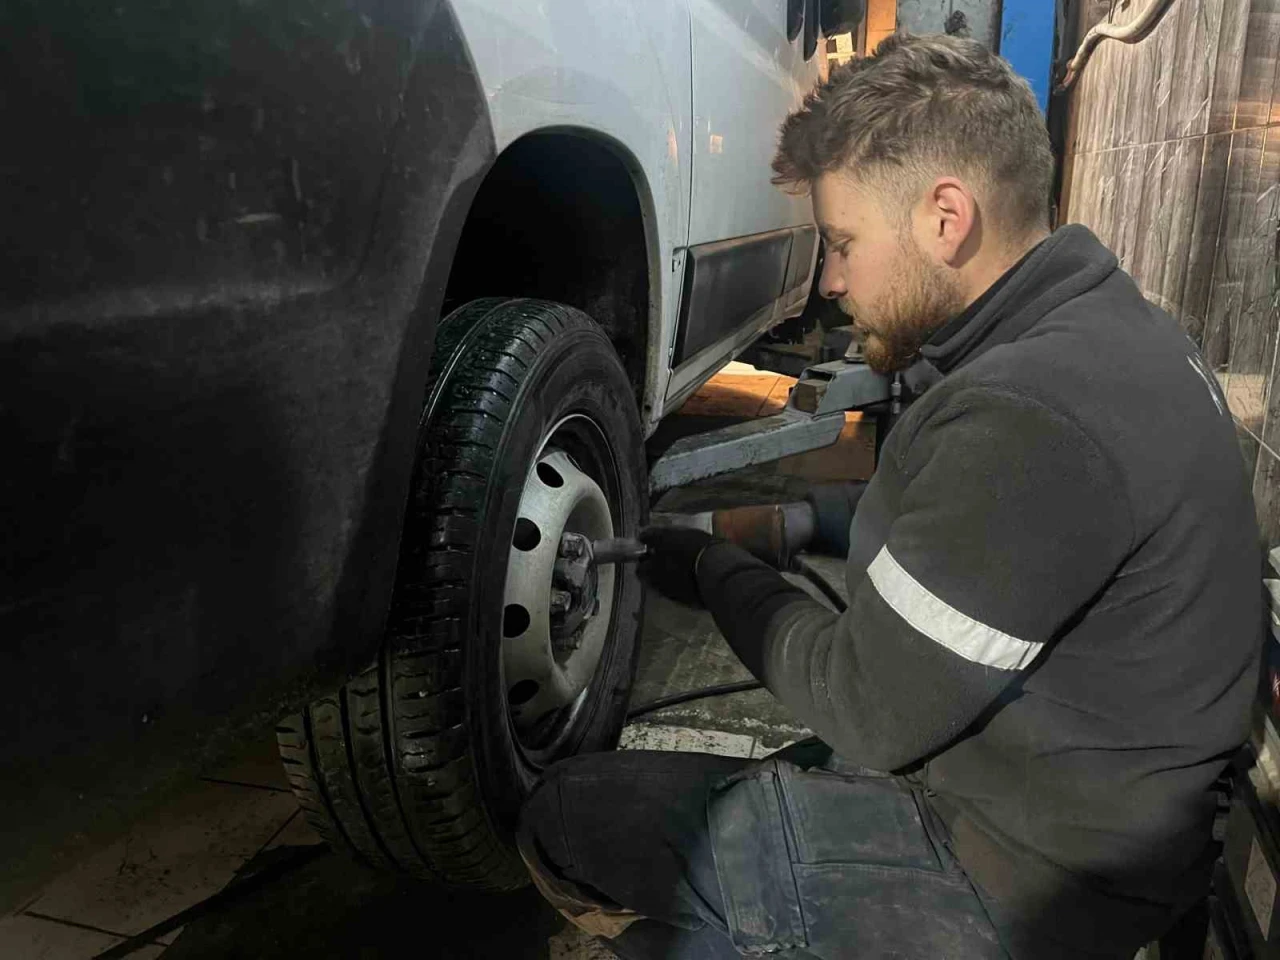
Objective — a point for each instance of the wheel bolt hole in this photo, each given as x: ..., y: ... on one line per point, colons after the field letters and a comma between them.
x: 522, y: 692
x: 515, y: 620
x: 527, y: 535
x: 549, y: 475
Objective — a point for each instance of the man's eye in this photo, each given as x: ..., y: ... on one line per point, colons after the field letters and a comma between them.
x: 843, y: 249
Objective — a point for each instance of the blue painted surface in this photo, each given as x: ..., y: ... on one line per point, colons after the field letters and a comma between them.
x: 1026, y: 41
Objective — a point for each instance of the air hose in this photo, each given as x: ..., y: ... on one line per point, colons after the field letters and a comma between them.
x: 1130, y: 32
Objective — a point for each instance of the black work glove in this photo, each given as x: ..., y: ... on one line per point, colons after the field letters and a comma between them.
x: 670, y: 565
x: 833, y: 505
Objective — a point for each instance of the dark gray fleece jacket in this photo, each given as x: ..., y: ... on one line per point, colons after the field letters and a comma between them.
x: 1055, y: 618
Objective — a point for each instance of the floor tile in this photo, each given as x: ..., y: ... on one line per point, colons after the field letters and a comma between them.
x: 655, y: 736
x: 296, y: 833
x: 258, y: 765
x: 170, y: 937
x: 682, y: 650
x: 33, y: 939
x: 332, y: 908
x: 183, y: 854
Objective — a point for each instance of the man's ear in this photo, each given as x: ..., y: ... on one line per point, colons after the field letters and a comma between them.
x: 951, y: 220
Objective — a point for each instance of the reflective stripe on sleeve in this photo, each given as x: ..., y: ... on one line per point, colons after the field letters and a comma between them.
x: 943, y: 623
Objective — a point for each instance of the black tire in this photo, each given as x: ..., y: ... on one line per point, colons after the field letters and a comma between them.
x: 415, y: 765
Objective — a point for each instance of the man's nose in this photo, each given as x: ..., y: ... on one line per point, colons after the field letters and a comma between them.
x: 830, y: 285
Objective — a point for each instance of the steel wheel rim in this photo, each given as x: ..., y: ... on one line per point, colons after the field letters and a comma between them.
x: 546, y: 679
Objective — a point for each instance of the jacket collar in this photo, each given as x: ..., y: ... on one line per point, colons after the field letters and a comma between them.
x: 1069, y: 263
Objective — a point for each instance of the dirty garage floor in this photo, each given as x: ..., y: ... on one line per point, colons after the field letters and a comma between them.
x: 242, y: 820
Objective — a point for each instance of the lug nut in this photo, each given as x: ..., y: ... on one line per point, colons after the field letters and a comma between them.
x: 561, y: 600
x: 573, y: 545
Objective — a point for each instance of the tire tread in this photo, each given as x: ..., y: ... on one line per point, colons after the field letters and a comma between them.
x: 383, y: 769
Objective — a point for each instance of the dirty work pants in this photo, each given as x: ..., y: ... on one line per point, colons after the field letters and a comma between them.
x: 682, y: 855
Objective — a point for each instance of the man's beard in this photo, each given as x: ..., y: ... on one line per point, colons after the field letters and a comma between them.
x: 921, y: 299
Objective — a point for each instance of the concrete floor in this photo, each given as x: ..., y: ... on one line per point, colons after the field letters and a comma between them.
x: 242, y: 819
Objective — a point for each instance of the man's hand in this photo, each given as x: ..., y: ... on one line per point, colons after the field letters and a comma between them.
x: 670, y: 565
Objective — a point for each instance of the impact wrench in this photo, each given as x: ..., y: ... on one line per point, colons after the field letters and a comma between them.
x: 774, y: 533
x: 762, y: 531
x: 617, y: 550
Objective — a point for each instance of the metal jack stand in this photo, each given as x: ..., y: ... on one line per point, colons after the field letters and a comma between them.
x: 813, y: 418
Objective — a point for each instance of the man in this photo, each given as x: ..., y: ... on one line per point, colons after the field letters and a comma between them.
x: 1055, y: 614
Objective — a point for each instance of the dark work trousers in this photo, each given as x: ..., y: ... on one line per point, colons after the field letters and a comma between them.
x: 684, y: 855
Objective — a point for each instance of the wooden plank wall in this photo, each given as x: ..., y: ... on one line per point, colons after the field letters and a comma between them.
x: 1173, y: 159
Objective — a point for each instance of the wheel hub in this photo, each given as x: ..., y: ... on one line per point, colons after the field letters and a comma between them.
x: 574, y: 592
x: 557, y: 604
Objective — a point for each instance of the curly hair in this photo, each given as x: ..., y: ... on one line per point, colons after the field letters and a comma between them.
x: 920, y: 107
